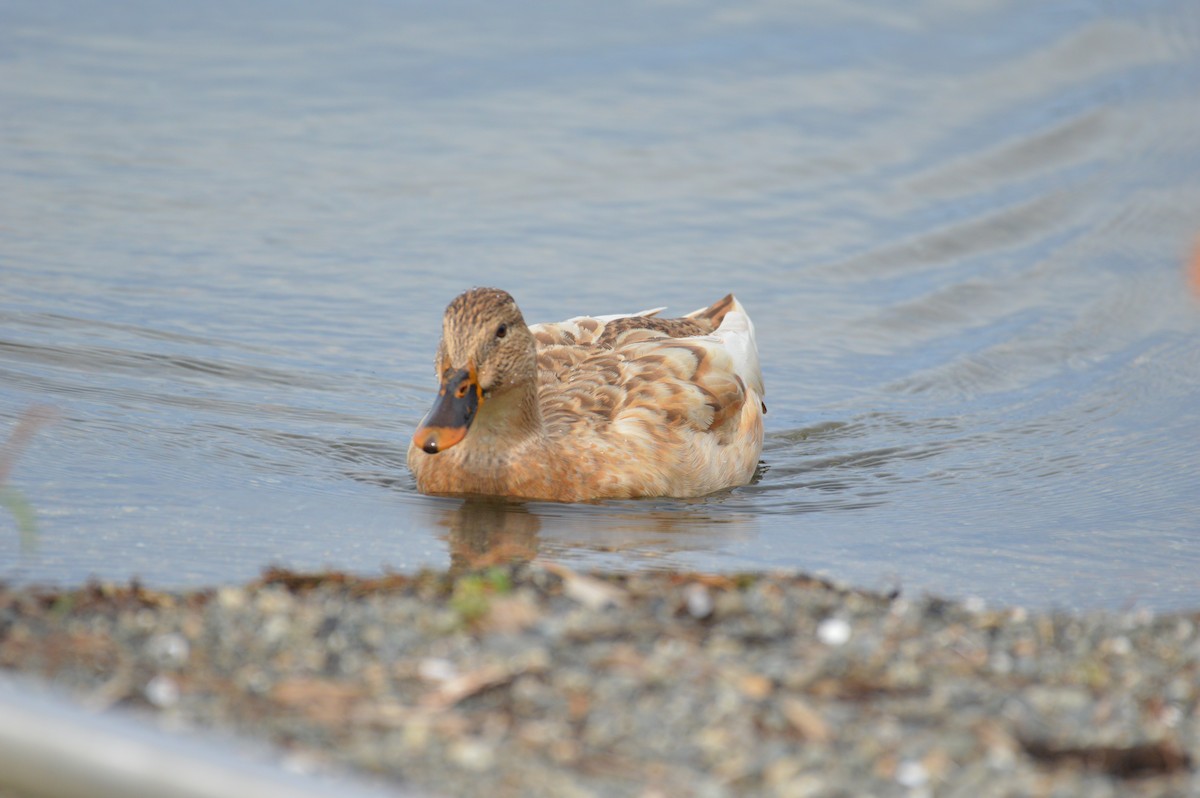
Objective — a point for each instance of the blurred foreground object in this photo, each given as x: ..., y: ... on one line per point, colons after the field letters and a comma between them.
x: 11, y: 498
x: 50, y: 748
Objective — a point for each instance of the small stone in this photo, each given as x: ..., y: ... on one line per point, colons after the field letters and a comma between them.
x: 833, y: 632
x: 1120, y: 646
x: 1184, y: 629
x: 782, y: 771
x: 805, y: 720
x: 1170, y: 716
x: 436, y: 669
x: 162, y: 692
x: 974, y: 605
x: 698, y: 600
x: 911, y: 774
x: 168, y: 650
x: 1001, y: 663
x: 473, y: 755
x: 275, y: 628
x: 231, y: 598
x: 415, y: 735
x: 754, y: 685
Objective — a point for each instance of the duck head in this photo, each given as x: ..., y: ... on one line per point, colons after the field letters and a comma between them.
x: 485, y: 353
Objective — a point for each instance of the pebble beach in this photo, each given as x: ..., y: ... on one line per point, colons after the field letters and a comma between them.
x: 535, y: 680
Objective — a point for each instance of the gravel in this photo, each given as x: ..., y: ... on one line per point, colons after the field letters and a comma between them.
x: 534, y: 680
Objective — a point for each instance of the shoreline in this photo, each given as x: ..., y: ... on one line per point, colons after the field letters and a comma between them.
x: 537, y: 680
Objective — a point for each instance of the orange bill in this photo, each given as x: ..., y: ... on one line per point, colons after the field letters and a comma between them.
x: 447, y: 421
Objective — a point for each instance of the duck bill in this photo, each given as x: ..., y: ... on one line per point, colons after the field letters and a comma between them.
x: 447, y: 422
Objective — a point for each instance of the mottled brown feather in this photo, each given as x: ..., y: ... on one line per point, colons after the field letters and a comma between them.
x: 671, y: 328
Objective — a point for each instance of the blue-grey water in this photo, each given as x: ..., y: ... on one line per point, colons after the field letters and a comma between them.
x: 228, y: 231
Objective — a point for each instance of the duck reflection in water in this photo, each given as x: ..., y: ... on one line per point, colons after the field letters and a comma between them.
x: 482, y: 532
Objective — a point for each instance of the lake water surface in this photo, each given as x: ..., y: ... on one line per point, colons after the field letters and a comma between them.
x: 228, y: 232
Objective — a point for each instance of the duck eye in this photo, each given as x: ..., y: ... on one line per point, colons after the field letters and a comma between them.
x: 502, y: 331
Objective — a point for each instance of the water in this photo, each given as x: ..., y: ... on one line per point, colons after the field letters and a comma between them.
x: 227, y: 234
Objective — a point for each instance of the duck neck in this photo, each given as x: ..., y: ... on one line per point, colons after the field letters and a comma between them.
x: 508, y: 418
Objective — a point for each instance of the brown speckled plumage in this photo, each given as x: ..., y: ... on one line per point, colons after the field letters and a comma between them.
x: 591, y: 408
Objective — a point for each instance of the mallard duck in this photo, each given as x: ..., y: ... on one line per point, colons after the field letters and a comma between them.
x: 599, y: 407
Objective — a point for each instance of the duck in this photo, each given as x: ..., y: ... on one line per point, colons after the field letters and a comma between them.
x: 620, y: 406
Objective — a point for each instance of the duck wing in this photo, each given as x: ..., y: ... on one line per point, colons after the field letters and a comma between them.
x: 582, y: 330
x: 645, y: 376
